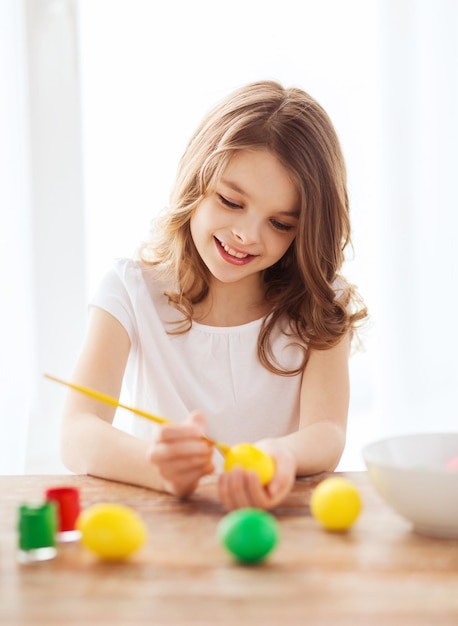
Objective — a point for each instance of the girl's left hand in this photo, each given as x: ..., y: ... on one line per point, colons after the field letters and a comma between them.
x: 240, y: 489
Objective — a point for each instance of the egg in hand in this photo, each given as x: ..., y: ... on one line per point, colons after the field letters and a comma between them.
x: 248, y: 457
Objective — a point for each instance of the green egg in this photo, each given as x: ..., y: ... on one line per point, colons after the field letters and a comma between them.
x: 249, y: 534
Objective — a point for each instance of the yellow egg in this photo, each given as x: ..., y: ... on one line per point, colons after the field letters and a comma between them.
x: 249, y: 457
x: 335, y: 503
x: 112, y: 531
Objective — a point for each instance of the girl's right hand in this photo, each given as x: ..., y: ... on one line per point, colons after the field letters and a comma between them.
x: 181, y: 455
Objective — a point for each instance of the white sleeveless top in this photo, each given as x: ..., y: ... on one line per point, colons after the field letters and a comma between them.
x: 213, y: 369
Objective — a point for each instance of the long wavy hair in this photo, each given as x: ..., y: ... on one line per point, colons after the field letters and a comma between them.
x: 304, y: 287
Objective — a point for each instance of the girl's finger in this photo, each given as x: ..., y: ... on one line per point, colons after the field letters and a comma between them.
x: 161, y: 451
x: 184, y: 431
x: 234, y: 489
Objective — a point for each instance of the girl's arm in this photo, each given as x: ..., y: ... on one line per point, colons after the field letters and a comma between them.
x: 325, y: 396
x: 89, y: 442
x: 318, y: 443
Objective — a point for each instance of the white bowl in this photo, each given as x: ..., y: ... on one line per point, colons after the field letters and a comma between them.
x: 410, y: 472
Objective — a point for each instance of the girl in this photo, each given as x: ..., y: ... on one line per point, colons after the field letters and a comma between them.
x: 233, y: 321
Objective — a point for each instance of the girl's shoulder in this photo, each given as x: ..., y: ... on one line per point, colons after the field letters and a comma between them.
x: 133, y: 285
x: 134, y: 273
x: 137, y: 290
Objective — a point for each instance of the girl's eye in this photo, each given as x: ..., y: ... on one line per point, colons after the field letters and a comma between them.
x: 281, y: 226
x: 276, y: 224
x: 228, y: 203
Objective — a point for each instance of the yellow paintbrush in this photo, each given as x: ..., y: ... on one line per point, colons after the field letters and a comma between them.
x: 102, y: 397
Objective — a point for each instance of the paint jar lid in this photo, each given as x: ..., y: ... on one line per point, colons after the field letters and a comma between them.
x: 37, y: 525
x: 67, y: 500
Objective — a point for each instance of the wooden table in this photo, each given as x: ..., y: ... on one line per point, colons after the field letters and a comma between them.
x: 378, y: 573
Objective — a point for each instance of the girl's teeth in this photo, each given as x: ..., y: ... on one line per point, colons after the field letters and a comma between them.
x: 232, y: 252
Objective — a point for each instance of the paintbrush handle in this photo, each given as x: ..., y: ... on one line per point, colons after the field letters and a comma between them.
x: 106, y: 399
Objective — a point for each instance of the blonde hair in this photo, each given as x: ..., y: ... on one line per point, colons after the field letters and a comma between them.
x: 301, y: 286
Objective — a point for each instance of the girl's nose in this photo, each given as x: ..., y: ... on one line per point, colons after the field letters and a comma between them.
x: 246, y: 231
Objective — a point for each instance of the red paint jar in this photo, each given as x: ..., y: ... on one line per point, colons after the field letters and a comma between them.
x: 67, y: 500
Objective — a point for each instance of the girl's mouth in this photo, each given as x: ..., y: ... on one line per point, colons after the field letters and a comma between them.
x: 231, y: 255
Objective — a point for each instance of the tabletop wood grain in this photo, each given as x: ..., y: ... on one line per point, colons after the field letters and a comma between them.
x: 378, y: 573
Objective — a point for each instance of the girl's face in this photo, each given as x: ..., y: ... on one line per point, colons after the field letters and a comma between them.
x: 250, y: 219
